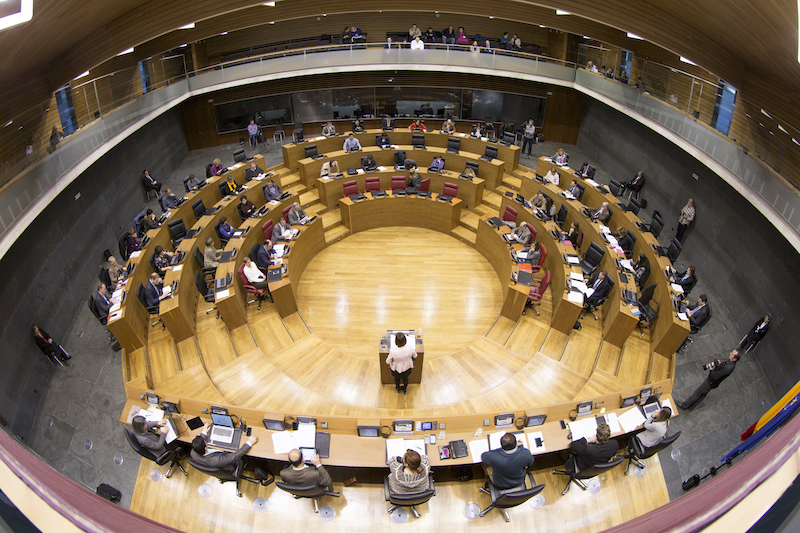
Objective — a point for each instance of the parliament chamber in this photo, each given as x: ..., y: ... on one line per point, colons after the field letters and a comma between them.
x: 375, y: 257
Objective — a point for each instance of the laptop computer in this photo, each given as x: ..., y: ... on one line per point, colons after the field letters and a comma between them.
x: 651, y: 406
x: 222, y: 430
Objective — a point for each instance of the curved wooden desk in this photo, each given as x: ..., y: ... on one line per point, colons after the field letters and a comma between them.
x: 404, y: 210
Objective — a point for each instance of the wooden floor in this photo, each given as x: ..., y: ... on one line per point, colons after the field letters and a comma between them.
x: 361, y: 507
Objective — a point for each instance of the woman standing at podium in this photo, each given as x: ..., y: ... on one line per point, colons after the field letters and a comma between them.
x: 401, y: 361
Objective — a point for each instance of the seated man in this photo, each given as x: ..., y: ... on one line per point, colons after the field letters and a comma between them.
x: 437, y: 164
x: 216, y: 459
x: 162, y: 259
x: 507, y: 465
x: 101, y: 300
x: 150, y: 435
x: 414, y: 179
x: 329, y: 168
x: 387, y: 123
x: 329, y: 130
x: 168, y: 200
x: 602, y: 214
x: 297, y: 215
x: 225, y: 229
x: 246, y: 207
x: 271, y: 190
x: 255, y: 276
x: 414, y: 32
x: 192, y: 183
x: 300, y: 474
x: 417, y: 44
x: 634, y: 184
x: 598, y: 449
x: 409, y: 164
x: 48, y: 346
x: 263, y: 258
x: 601, y: 286
x: 351, y: 144
x: 153, y: 291
x: 149, y: 221
x: 384, y: 140
x: 211, y: 254
x: 229, y: 186
x: 698, y: 313
x: 521, y: 234
x: 369, y: 164
x: 574, y: 190
x: 150, y: 184
x: 357, y: 126
x: 448, y: 126
x: 281, y: 231
x: 253, y: 171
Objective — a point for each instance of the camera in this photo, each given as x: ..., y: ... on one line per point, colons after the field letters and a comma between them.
x: 711, y: 366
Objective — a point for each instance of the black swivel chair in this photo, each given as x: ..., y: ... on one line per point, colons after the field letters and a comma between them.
x: 506, y: 498
x: 239, y: 156
x: 150, y: 310
x: 647, y: 307
x: 418, y: 141
x: 473, y: 165
x: 153, y: 264
x: 633, y: 206
x: 637, y: 452
x: 615, y: 187
x: 581, y: 188
x: 576, y: 475
x: 311, y: 491
x: 453, y: 145
x: 206, y: 290
x: 592, y: 258
x: 100, y: 318
x: 172, y: 457
x: 670, y: 253
x: 695, y: 328
x: 223, y: 241
x: 589, y: 309
x: 236, y: 474
x: 655, y: 226
x: 509, y: 138
x: 408, y: 500
x: 311, y: 150
x: 177, y: 232
x: 102, y: 274
x: 201, y: 261
x: 561, y: 216
x: 399, y: 159
x: 490, y: 153
x: 199, y: 209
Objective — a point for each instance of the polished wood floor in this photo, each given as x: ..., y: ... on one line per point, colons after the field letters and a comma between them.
x: 361, y: 507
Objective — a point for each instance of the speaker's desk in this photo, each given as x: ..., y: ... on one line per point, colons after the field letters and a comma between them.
x: 416, y: 371
x: 406, y: 210
x: 469, y: 192
x: 490, y: 171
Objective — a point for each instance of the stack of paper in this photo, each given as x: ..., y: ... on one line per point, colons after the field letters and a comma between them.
x: 575, y: 297
x: 575, y: 276
x: 631, y: 419
x: 591, y: 182
x: 583, y: 428
x: 572, y: 260
x: 626, y: 264
x: 286, y: 441
x: 476, y: 449
x: 677, y: 288
x: 381, y: 168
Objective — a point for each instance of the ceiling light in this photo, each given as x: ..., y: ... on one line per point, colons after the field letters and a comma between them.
x: 562, y: 12
x: 272, y: 22
x: 688, y: 61
x: 24, y: 14
x: 184, y: 44
x: 128, y: 51
x: 81, y: 75
x: 269, y: 4
x: 187, y: 27
x: 585, y: 36
x: 795, y: 141
x: 10, y: 122
x: 634, y: 36
x: 224, y: 33
x: 541, y: 25
x: 783, y: 129
x: 491, y: 17
x: 765, y: 113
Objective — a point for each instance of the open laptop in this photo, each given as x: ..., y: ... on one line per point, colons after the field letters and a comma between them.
x: 651, y: 406
x: 222, y: 431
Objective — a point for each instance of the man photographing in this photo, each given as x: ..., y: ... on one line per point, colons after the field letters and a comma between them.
x: 718, y: 371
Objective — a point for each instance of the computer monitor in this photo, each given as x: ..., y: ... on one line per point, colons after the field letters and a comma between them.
x: 584, y: 408
x: 504, y: 419
x: 627, y: 402
x: 367, y: 431
x: 403, y: 425
x: 274, y: 425
x: 534, y: 421
x: 217, y: 410
x: 645, y: 393
x: 151, y: 397
x: 170, y: 407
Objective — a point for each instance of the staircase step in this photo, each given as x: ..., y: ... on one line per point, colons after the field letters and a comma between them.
x: 465, y: 235
x: 502, y: 190
x: 331, y: 219
x: 511, y: 182
x: 492, y: 199
x: 309, y: 197
x: 290, y: 179
x: 470, y: 220
x: 336, y: 233
x: 484, y: 209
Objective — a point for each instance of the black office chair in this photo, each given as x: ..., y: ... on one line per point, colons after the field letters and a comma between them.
x: 581, y: 188
x: 647, y: 307
x: 670, y: 253
x: 150, y: 310
x: 311, y: 150
x: 100, y: 318
x: 615, y: 187
x: 636, y: 188
x: 592, y: 258
x: 102, y: 275
x: 509, y: 138
x: 153, y: 264
x: 177, y: 232
x: 236, y: 474
x: 223, y: 188
x: 506, y: 498
x: 223, y: 241
x: 453, y: 145
x: 418, y: 141
x: 199, y: 258
x: 655, y: 226
x: 561, y: 216
x: 695, y: 328
x: 637, y: 452
x: 590, y: 171
x: 576, y: 475
x: 489, y: 154
x: 633, y: 206
x: 206, y: 290
x: 239, y: 156
x: 408, y: 500
x: 399, y: 159
x: 173, y: 457
x: 589, y: 309
x: 199, y: 209
x: 311, y: 491
x: 474, y: 165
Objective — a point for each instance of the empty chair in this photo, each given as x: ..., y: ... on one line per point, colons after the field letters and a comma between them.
x: 298, y: 134
x: 615, y: 187
x: 199, y: 209
x: 311, y: 150
x: 206, y: 290
x: 633, y: 206
x: 312, y: 491
x: 510, y: 214
x: 398, y: 183
x: 418, y: 141
x: 253, y: 254
x: 472, y: 165
x: 279, y: 133
x: 536, y: 293
x: 399, y: 159
x: 672, y: 252
x: 373, y: 183
x: 200, y: 260
x: 410, y: 499
x: 260, y: 294
x: 581, y: 188
x: 490, y: 153
x: 237, y: 474
x: 561, y: 216
x: 102, y: 275
x: 576, y: 475
x: 239, y: 155
x: 592, y: 258
x: 266, y: 229
x: 647, y: 307
x: 509, y: 137
x: 651, y: 228
x: 425, y: 185
x: 637, y: 452
x: 177, y: 232
x: 453, y: 145
x: 350, y: 187
x: 450, y: 189
x: 505, y: 499
x: 172, y: 457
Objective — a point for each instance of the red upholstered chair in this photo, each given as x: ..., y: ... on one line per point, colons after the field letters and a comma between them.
x: 266, y: 229
x: 398, y: 182
x: 350, y: 187
x: 286, y: 213
x: 534, y: 231
x: 450, y: 189
x: 542, y: 255
x: 425, y: 185
x: 373, y: 183
x: 537, y: 291
x: 260, y: 294
x: 510, y: 214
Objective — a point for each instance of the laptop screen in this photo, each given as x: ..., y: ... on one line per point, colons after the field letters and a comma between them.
x: 222, y: 420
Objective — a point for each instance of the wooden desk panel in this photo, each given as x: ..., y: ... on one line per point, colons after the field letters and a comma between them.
x: 469, y: 192
x: 393, y: 210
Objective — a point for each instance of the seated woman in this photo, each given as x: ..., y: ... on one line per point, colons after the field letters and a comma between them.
x: 468, y: 173
x: 409, y: 474
x: 357, y: 126
x: 624, y: 240
x: 216, y: 168
x: 162, y: 258
x: 553, y: 177
x: 192, y: 183
x: 476, y: 132
x: 369, y: 164
x: 572, y: 234
x: 134, y: 243
x: 534, y: 254
x: 414, y: 179
x: 641, y: 270
x: 655, y: 428
x: 230, y: 185
x: 329, y: 168
x: 560, y: 157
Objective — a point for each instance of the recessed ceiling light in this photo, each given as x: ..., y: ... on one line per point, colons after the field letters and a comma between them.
x: 81, y: 75
x: 783, y: 129
x: 688, y: 61
x: 187, y: 27
x: 585, y: 36
x: 491, y: 17
x: 562, y: 12
x: 10, y: 122
x: 224, y: 33
x: 24, y: 14
x: 765, y: 113
x: 795, y: 141
x: 269, y: 4
x: 634, y: 36
x: 272, y: 22
x: 128, y: 51
x: 184, y: 44
x: 541, y: 25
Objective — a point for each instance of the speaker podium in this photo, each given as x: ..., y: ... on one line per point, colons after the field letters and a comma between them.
x: 383, y: 352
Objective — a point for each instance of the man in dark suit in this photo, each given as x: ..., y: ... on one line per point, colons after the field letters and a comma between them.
x: 387, y: 123
x: 718, y: 371
x: 301, y: 474
x: 150, y: 183
x: 602, y: 214
x: 601, y: 286
x: 155, y: 441
x: 699, y: 312
x: 101, y: 300
x: 598, y: 449
x: 755, y: 334
x: 265, y: 253
x: 574, y: 190
x: 218, y: 460
x: 252, y: 171
x: 153, y: 291
x: 687, y: 279
x: 507, y: 466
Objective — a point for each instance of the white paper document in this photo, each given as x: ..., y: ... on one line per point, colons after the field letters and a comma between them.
x: 683, y: 316
x: 381, y: 168
x: 575, y: 297
x: 476, y: 449
x: 534, y: 448
x: 286, y: 441
x: 591, y: 182
x: 613, y: 422
x: 223, y: 294
x: 583, y: 428
x: 167, y: 290
x: 360, y: 171
x: 572, y: 260
x: 568, y: 195
x: 677, y: 288
x: 631, y: 419
x: 494, y: 439
x: 280, y: 249
x: 626, y: 264
x: 575, y: 276
x: 667, y: 403
x: 398, y: 447
x: 137, y: 253
x: 177, y: 268
x: 579, y: 286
